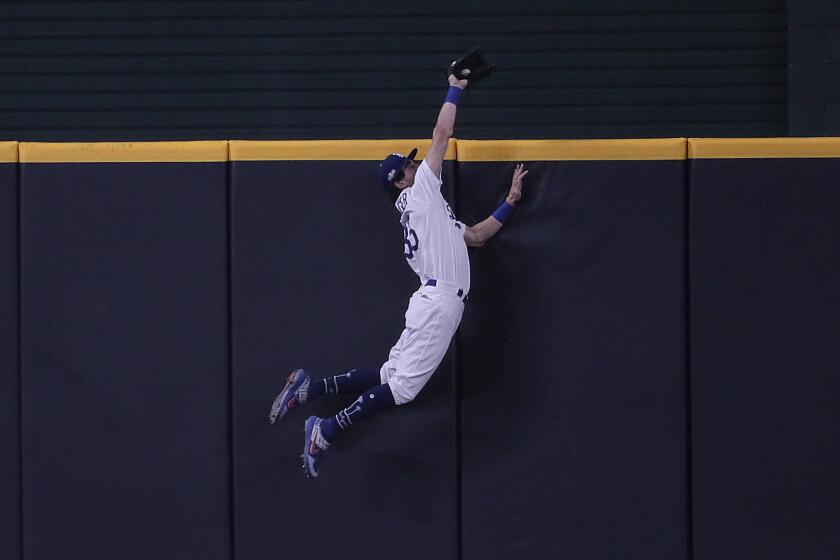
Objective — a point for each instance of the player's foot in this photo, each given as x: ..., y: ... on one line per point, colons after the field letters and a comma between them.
x: 292, y: 394
x: 314, y: 446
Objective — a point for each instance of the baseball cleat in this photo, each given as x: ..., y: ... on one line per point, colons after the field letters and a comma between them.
x: 292, y: 394
x: 314, y: 446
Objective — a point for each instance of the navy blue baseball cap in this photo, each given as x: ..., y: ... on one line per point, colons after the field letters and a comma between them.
x: 392, y: 168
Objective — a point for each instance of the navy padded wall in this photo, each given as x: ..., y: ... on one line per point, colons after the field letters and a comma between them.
x: 765, y: 359
x: 320, y: 281
x: 566, y: 397
x: 573, y: 364
x: 9, y: 375
x: 125, y: 362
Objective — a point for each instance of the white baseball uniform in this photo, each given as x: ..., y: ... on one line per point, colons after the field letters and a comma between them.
x: 435, y: 249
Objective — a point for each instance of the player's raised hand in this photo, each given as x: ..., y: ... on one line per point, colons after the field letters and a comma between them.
x: 516, y: 184
x: 453, y: 81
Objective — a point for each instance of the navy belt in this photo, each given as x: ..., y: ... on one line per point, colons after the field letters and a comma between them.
x: 434, y: 282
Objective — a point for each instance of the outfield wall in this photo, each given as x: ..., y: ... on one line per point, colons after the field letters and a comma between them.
x: 646, y: 366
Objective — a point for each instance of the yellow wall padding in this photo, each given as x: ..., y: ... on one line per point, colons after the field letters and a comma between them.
x: 461, y: 150
x: 572, y: 150
x: 8, y: 152
x: 329, y: 150
x: 123, y: 152
x: 766, y: 148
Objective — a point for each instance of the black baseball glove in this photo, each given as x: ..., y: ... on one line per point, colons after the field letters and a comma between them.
x: 472, y: 66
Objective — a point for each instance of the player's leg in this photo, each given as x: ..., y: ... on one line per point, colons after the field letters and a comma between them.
x: 373, y: 400
x: 430, y: 325
x: 436, y: 325
x: 300, y: 387
x: 353, y: 382
x: 320, y: 432
x: 370, y: 402
x: 379, y: 395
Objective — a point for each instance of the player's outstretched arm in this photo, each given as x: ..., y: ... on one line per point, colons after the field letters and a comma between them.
x: 477, y: 235
x: 445, y: 126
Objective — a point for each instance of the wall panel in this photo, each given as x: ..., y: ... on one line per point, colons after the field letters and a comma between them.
x: 125, y: 360
x: 765, y: 314
x: 320, y: 281
x: 574, y: 424
x: 9, y: 362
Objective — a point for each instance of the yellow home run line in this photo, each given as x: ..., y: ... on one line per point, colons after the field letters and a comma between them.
x: 766, y: 148
x: 8, y: 152
x: 572, y: 150
x: 460, y: 150
x: 330, y: 150
x: 123, y: 152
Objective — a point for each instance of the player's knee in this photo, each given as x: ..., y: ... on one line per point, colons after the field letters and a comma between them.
x: 402, y: 395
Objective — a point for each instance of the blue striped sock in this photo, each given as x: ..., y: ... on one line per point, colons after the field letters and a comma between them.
x: 354, y: 381
x: 369, y: 402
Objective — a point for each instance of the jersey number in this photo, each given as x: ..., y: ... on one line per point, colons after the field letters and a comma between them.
x: 409, y: 235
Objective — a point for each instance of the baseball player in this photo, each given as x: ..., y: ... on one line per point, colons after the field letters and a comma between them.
x: 435, y: 246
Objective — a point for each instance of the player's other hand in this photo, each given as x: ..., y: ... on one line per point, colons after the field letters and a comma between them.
x: 516, y: 184
x: 453, y: 81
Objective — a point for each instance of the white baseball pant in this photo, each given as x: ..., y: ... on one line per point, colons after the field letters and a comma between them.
x: 433, y: 316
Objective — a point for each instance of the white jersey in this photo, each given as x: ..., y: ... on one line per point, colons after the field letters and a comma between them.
x: 433, y: 237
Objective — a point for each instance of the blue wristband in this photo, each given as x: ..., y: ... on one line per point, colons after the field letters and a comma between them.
x: 453, y: 95
x: 503, y: 211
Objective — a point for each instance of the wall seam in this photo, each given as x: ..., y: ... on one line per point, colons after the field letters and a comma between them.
x: 231, y: 431
x: 688, y: 374
x: 19, y: 205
